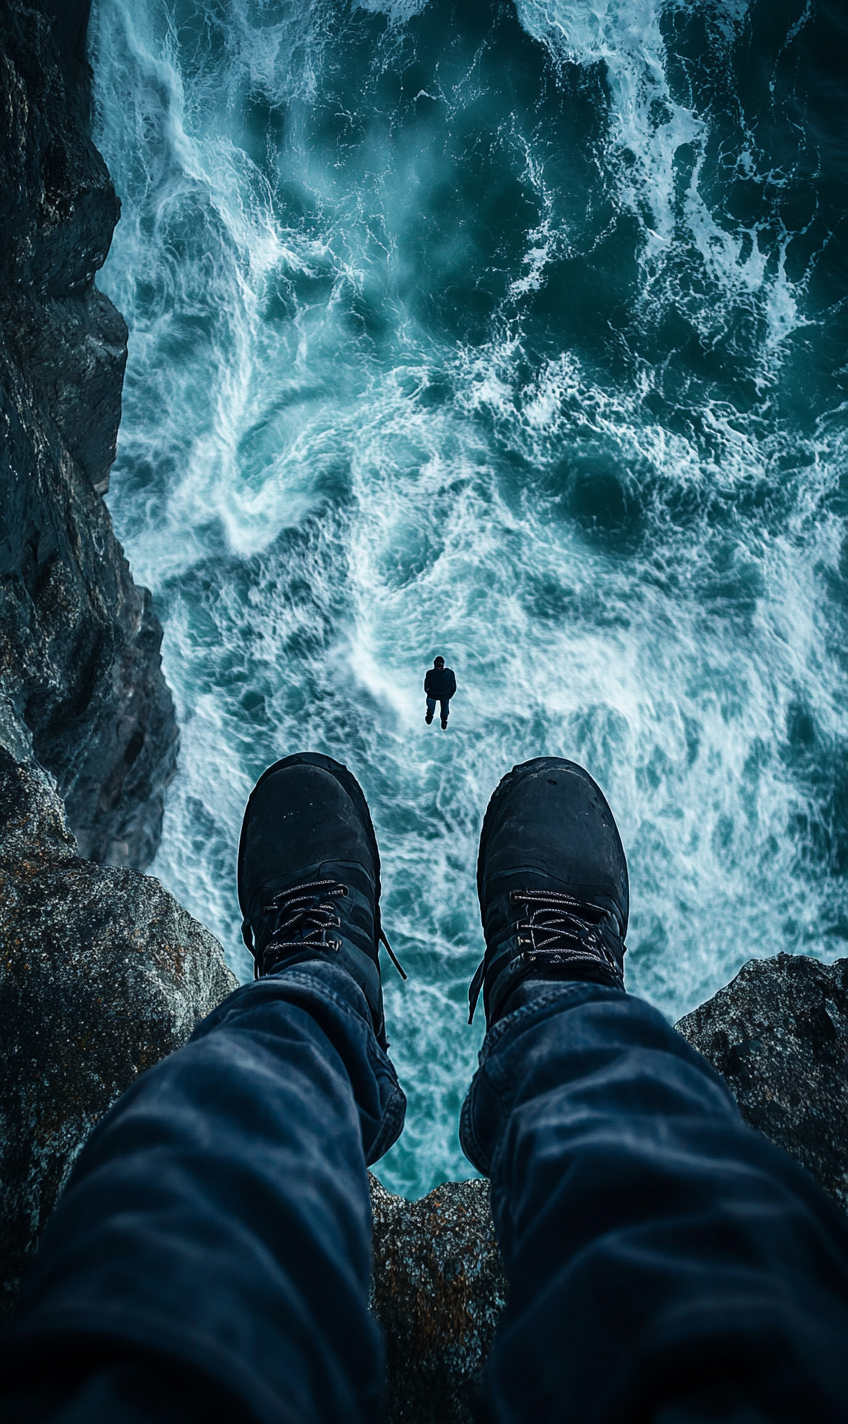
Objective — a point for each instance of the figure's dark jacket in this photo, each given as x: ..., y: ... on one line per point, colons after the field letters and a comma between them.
x: 440, y: 682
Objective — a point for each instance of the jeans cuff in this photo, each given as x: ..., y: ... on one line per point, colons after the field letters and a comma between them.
x: 323, y: 981
x: 488, y: 1102
x: 337, y: 1004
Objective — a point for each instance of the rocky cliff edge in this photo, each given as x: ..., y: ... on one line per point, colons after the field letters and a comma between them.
x: 79, y: 642
x: 101, y: 972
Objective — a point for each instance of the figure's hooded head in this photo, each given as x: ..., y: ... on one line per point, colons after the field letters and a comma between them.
x: 438, y: 662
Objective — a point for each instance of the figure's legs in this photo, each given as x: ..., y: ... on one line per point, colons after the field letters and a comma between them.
x: 213, y: 1245
x: 445, y: 711
x: 665, y: 1263
x: 431, y: 707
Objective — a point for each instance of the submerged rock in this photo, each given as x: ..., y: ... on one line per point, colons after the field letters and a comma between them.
x: 778, y: 1034
x: 102, y: 973
x: 79, y: 642
x: 437, y: 1291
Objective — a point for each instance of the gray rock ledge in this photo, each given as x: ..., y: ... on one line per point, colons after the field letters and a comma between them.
x: 778, y: 1035
x: 102, y: 973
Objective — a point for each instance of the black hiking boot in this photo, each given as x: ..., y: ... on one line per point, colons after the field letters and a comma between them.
x: 428, y: 717
x: 309, y: 874
x: 552, y: 883
x: 444, y: 724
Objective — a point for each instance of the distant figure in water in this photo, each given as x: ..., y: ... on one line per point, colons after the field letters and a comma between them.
x: 439, y: 685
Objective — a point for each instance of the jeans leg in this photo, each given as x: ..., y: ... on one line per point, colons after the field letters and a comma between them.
x: 217, y: 1224
x: 445, y: 708
x: 431, y: 706
x: 665, y: 1262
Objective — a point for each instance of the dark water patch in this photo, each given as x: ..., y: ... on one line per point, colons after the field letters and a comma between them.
x: 603, y: 499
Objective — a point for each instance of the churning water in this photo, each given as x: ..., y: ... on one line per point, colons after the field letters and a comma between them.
x: 515, y: 332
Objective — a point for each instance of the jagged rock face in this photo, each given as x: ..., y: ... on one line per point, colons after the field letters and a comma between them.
x: 79, y: 642
x: 102, y: 974
x: 58, y: 210
x: 778, y: 1034
x: 438, y: 1289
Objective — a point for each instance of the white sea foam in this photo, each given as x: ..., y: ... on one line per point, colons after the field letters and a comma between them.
x: 650, y: 131
x: 323, y: 498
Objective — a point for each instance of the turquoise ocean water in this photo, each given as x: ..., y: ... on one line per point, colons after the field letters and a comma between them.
x: 515, y: 332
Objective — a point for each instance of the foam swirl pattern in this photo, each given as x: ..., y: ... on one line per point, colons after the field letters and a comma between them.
x: 514, y: 332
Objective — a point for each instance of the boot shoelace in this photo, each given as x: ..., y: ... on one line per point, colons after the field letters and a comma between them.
x: 558, y: 930
x: 306, y: 914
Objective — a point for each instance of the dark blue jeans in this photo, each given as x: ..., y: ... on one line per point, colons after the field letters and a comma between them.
x: 444, y: 707
x: 210, y: 1256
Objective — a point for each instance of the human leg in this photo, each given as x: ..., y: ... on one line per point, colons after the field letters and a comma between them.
x: 431, y: 707
x: 215, y: 1235
x: 665, y: 1262
x: 445, y: 711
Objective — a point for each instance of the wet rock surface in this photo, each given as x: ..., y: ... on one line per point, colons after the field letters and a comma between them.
x: 778, y: 1034
x: 437, y: 1291
x: 102, y: 973
x: 79, y: 642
